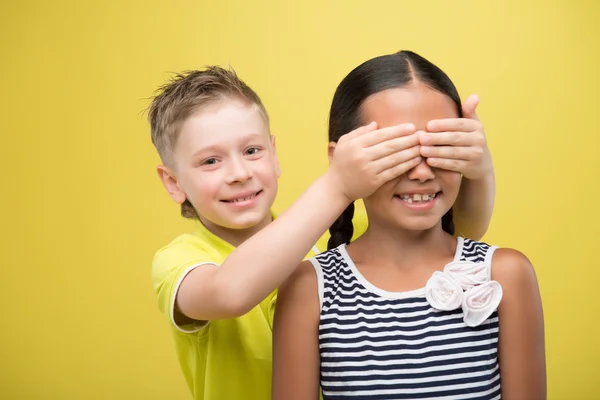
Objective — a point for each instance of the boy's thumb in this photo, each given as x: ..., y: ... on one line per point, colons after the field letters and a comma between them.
x: 362, y: 130
x: 470, y: 106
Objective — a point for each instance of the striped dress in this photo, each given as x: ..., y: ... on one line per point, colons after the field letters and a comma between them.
x: 376, y: 344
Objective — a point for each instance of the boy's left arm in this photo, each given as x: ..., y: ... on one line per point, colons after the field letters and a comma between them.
x: 474, y: 206
x: 459, y: 144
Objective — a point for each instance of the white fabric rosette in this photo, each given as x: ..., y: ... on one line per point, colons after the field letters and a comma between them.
x: 467, y: 273
x: 479, y: 302
x: 443, y: 293
x: 465, y: 284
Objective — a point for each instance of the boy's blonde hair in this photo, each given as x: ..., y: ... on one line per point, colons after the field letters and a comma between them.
x: 183, y: 96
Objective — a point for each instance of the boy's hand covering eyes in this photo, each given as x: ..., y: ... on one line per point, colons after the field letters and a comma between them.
x: 458, y: 144
x: 367, y: 157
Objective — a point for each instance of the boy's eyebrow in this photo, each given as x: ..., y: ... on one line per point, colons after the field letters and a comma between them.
x: 253, y: 135
x: 207, y: 149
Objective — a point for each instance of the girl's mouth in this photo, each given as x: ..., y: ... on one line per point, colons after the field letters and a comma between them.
x: 418, y: 197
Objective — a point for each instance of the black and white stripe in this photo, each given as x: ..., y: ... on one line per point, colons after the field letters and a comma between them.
x: 383, y: 345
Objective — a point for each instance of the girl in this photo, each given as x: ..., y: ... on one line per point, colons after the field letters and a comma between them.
x: 407, y: 311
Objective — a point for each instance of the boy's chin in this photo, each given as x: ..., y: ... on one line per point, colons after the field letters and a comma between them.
x: 248, y: 221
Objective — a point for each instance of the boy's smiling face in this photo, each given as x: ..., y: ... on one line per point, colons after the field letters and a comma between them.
x: 226, y: 166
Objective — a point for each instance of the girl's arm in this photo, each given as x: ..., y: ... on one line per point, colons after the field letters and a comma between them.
x: 296, y: 361
x: 459, y: 144
x: 521, y: 344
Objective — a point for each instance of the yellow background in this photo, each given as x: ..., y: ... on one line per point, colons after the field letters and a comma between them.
x: 83, y: 211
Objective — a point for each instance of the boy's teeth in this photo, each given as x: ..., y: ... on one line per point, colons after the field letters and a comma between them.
x: 242, y: 199
x: 417, y: 197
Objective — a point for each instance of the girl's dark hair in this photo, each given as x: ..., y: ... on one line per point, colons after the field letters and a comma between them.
x: 373, y: 76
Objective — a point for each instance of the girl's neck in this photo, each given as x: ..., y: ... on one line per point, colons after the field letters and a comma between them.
x: 403, y: 248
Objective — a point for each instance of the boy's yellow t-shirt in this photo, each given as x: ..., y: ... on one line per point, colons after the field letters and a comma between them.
x: 222, y: 359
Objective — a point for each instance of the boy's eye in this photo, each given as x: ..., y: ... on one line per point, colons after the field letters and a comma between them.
x: 252, y: 150
x: 210, y: 161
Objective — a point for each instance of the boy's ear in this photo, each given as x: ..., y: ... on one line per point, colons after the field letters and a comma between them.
x: 277, y: 168
x: 170, y: 183
x: 331, y: 150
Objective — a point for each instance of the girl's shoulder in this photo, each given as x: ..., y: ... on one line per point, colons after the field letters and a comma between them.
x: 506, y: 264
x: 513, y: 270
x: 299, y: 288
x: 509, y: 267
x: 303, y: 275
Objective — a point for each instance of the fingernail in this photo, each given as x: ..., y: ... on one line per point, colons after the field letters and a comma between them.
x: 418, y: 160
x: 431, y: 161
x: 425, y: 150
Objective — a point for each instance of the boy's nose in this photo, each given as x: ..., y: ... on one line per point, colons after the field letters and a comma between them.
x: 422, y: 172
x: 238, y: 171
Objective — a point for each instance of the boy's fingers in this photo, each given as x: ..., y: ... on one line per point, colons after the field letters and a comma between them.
x: 453, y: 124
x: 361, y: 130
x: 394, y: 171
x: 384, y: 134
x: 397, y: 158
x: 469, y: 107
x: 447, y: 139
x: 448, y: 164
x: 451, y: 152
x: 393, y: 147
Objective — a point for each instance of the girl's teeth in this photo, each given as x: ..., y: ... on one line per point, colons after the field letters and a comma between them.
x: 417, y: 198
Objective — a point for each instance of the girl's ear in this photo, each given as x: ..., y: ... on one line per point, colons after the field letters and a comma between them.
x: 331, y: 150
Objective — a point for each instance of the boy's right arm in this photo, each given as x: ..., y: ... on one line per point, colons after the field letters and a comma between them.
x: 363, y: 160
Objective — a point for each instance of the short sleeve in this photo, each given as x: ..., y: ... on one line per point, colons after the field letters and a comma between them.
x: 170, y: 266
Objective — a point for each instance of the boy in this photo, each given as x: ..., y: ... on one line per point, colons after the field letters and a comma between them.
x: 217, y: 285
